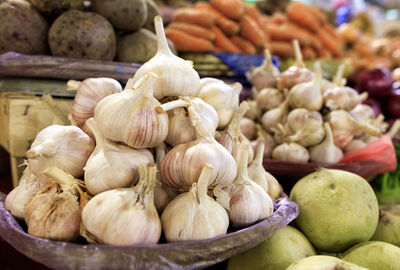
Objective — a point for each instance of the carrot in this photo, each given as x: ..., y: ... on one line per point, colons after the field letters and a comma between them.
x: 187, y: 43
x: 251, y: 31
x: 193, y: 30
x: 281, y: 48
x: 300, y: 14
x: 287, y: 32
x: 253, y: 12
x: 233, y: 9
x: 279, y: 18
x: 264, y: 19
x: 228, y: 26
x: 321, y: 16
x: 324, y: 53
x: 194, y: 16
x: 328, y: 41
x: 223, y: 42
x: 309, y: 53
x: 244, y: 45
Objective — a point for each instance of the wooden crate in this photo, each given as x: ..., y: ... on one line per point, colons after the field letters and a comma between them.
x: 24, y: 114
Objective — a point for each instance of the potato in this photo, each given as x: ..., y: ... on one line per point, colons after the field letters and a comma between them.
x: 56, y: 7
x: 22, y: 28
x: 138, y: 47
x: 127, y: 15
x: 152, y: 11
x: 79, y: 34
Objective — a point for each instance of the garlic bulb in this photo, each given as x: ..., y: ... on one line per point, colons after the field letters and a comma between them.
x: 248, y: 128
x: 133, y: 117
x: 308, y: 95
x: 254, y: 112
x: 89, y: 93
x: 327, y: 151
x: 182, y: 166
x: 265, y: 138
x: 176, y: 77
x: 363, y: 113
x: 124, y: 216
x: 112, y: 165
x: 232, y: 137
x: 293, y: 152
x: 27, y: 188
x: 272, y: 118
x: 297, y: 73
x: 340, y: 96
x: 344, y: 125
x: 248, y: 203
x: 265, y: 75
x: 223, y: 97
x: 269, y: 98
x: 354, y: 145
x: 54, y: 212
x: 260, y: 176
x: 194, y: 215
x: 180, y: 127
x: 307, y: 127
x: 64, y: 147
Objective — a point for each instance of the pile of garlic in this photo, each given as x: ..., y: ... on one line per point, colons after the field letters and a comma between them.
x: 301, y: 117
x: 151, y: 161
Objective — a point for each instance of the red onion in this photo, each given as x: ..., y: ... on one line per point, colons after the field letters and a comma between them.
x: 377, y: 82
x: 393, y: 105
x: 375, y: 105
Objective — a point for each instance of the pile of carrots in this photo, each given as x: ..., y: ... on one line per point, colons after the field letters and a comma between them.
x: 234, y: 26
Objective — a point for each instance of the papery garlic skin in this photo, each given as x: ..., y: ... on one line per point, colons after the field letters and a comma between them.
x: 327, y: 151
x: 133, y: 117
x: 112, y: 165
x: 342, y: 97
x: 273, y: 117
x: 265, y: 138
x: 307, y: 95
x: 176, y: 76
x: 354, y: 145
x: 249, y: 202
x: 89, y: 92
x: 182, y: 166
x: 194, y: 215
x: 64, y: 147
x: 248, y: 128
x: 254, y: 113
x: 363, y: 112
x: 223, y: 97
x: 269, y: 98
x: 292, y: 152
x: 27, y: 188
x: 125, y: 216
x: 265, y: 75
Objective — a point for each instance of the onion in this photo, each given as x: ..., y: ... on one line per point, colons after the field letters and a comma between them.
x: 393, y: 105
x: 375, y: 105
x: 377, y: 82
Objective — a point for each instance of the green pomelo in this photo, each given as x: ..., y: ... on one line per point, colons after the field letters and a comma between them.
x: 338, y: 209
x: 374, y: 255
x: 284, y: 247
x: 388, y: 229
x: 322, y: 262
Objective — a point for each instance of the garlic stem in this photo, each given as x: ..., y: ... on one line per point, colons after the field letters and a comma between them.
x: 297, y: 53
x: 73, y: 85
x: 328, y: 132
x: 234, y: 125
x: 145, y: 85
x: 174, y: 104
x: 150, y: 182
x: 65, y: 180
x: 258, y: 159
x: 202, y: 183
x: 242, y: 163
x: 198, y: 124
x: 161, y: 38
x: 44, y: 149
x: 394, y: 129
x: 339, y: 76
x: 363, y: 96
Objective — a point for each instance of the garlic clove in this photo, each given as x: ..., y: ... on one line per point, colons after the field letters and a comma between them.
x: 124, y: 216
x: 269, y: 98
x: 176, y: 76
x: 133, y: 117
x: 27, y: 188
x: 64, y: 147
x: 89, y: 92
x: 112, y: 165
x: 194, y: 215
x: 265, y: 75
x: 292, y: 152
x: 223, y: 97
x: 327, y: 151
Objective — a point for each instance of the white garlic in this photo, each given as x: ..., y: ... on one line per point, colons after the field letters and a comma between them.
x: 27, y: 188
x: 249, y: 202
x: 269, y: 98
x: 354, y: 145
x: 112, y: 165
x: 232, y: 137
x: 133, y: 117
x: 248, y: 128
x: 223, y: 97
x: 293, y: 152
x: 176, y: 77
x: 327, y: 151
x: 194, y: 215
x: 273, y: 117
x: 89, y: 93
x: 182, y: 166
x: 254, y: 112
x: 265, y: 75
x: 363, y: 113
x: 64, y: 147
x: 260, y: 176
x: 263, y: 137
x: 124, y: 216
x: 54, y: 212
